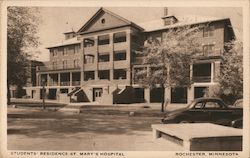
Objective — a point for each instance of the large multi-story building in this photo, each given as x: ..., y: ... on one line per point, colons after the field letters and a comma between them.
x: 98, y: 62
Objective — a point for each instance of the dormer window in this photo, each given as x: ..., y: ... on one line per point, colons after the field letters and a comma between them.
x: 169, y: 20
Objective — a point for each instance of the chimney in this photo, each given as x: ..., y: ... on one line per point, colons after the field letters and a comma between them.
x: 165, y: 11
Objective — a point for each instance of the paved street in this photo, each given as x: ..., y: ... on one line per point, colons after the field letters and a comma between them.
x: 35, y: 129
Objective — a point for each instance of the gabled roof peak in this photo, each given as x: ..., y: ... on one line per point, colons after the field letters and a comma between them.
x: 99, y: 12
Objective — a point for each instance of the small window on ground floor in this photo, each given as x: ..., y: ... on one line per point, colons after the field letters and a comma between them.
x: 179, y: 95
x: 64, y: 90
x: 199, y: 92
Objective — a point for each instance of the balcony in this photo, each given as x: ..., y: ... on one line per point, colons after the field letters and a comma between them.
x: 76, y: 83
x: 57, y: 67
x: 65, y: 83
x: 53, y: 84
x: 202, y: 79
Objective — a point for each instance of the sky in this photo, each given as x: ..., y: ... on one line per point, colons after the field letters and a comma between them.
x: 57, y: 20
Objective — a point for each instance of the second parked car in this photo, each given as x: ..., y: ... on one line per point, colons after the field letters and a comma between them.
x: 212, y: 110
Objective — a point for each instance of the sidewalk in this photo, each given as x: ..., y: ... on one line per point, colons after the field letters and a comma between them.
x: 137, y: 109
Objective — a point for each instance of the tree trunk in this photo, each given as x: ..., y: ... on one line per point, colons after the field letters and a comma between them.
x: 8, y: 94
x: 162, y: 98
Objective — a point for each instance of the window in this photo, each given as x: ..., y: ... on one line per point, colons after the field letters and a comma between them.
x: 119, y: 55
x: 120, y: 74
x: 103, y: 57
x: 199, y: 92
x: 53, y: 52
x: 167, y: 21
x: 208, y: 31
x: 103, y: 40
x: 199, y: 105
x: 77, y: 48
x: 76, y: 63
x: 120, y: 37
x: 89, y: 75
x: 89, y: 42
x: 202, y: 72
x: 103, y: 74
x: 64, y: 90
x: 179, y: 95
x: 212, y: 105
x: 54, y: 65
x: 208, y: 49
x: 65, y: 64
x: 70, y: 49
x: 140, y: 73
x: 103, y: 21
x: 88, y: 59
x: 63, y: 52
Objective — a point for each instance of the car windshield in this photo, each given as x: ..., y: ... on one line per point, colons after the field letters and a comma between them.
x: 238, y: 103
x: 209, y: 104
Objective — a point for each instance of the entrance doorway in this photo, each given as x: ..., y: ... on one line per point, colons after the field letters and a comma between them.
x: 97, y: 94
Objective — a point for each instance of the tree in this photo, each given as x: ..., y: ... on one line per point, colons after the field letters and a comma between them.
x: 22, y: 29
x: 170, y: 59
x: 231, y: 79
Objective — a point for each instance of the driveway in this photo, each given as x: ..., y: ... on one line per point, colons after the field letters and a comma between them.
x: 35, y: 129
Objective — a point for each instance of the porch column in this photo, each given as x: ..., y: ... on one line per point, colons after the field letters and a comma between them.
x: 191, y: 71
x: 190, y: 94
x: 37, y: 79
x: 81, y: 62
x: 40, y: 80
x: 96, y: 75
x: 48, y: 79
x: 70, y: 78
x: 59, y: 79
x: 147, y: 95
x: 212, y: 72
x: 111, y: 56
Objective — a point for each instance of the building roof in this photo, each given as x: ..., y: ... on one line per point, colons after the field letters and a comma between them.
x: 149, y: 26
x: 156, y: 25
x: 66, y: 42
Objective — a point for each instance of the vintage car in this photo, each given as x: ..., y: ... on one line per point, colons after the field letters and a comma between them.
x: 212, y: 110
x: 238, y: 123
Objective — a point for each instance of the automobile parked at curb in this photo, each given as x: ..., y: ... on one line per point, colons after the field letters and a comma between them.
x: 212, y: 110
x: 238, y: 123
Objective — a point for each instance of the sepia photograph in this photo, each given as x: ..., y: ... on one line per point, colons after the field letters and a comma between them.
x: 107, y: 81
